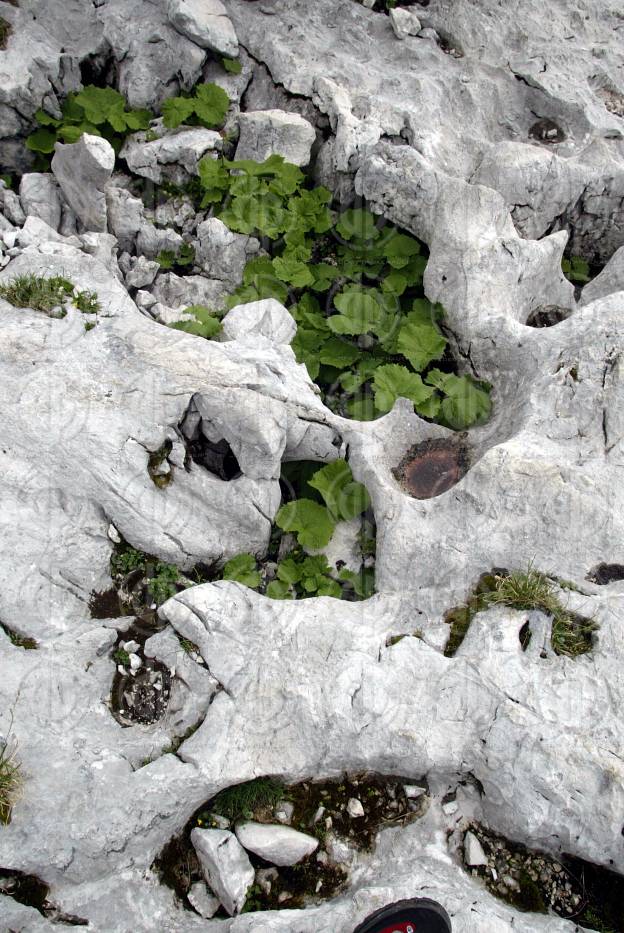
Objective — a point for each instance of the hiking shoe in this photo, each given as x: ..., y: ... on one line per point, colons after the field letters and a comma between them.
x: 417, y: 915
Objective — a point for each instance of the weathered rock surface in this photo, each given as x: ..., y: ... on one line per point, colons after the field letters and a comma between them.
x: 280, y: 845
x: 447, y: 133
x: 83, y: 170
x: 226, y: 866
x: 266, y: 318
x: 206, y: 23
x: 275, y: 132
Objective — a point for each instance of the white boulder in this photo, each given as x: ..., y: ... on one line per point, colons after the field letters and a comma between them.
x: 206, y: 23
x: 266, y: 318
x: 83, y: 170
x: 404, y: 23
x: 226, y: 866
x: 275, y: 132
x: 280, y: 845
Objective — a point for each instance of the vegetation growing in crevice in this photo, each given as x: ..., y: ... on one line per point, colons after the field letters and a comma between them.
x: 205, y: 323
x: 180, y: 262
x: 571, y: 633
x: 317, y: 808
x: 48, y: 294
x: 5, y: 32
x: 10, y: 779
x: 353, y: 283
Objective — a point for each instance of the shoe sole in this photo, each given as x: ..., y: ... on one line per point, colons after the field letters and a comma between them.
x: 408, y: 910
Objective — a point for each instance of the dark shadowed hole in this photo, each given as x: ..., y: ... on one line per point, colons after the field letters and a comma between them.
x: 547, y: 316
x: 525, y: 636
x: 606, y: 573
x: 106, y: 605
x: 547, y: 131
x: 431, y: 468
x: 31, y: 891
x: 215, y: 456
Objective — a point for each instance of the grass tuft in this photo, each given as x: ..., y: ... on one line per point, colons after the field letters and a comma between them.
x: 10, y: 782
x: 47, y: 294
x: 242, y: 799
x: 571, y: 633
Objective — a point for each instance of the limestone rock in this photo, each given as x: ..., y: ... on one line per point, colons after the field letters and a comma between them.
x: 404, y: 23
x: 83, y: 170
x: 222, y: 254
x: 266, y: 318
x: 474, y: 855
x: 278, y: 844
x: 275, y: 132
x: 226, y: 866
x: 171, y: 157
x: 126, y: 216
x: 204, y: 903
x: 206, y: 23
x: 40, y: 198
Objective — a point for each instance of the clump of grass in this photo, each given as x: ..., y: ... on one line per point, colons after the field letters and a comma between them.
x: 242, y: 800
x: 571, y: 633
x: 48, y: 294
x: 10, y: 781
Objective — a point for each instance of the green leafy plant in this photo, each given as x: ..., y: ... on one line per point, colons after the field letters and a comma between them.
x: 576, y: 269
x: 121, y: 656
x: 242, y: 800
x: 205, y: 324
x: 10, y: 781
x: 185, y: 257
x: 314, y: 523
x: 125, y: 559
x: 48, y: 294
x: 233, y: 65
x: 163, y: 585
x: 99, y: 111
x: 243, y: 569
x: 375, y: 336
x: 206, y: 105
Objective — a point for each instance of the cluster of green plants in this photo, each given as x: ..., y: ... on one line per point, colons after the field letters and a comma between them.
x: 205, y: 105
x: 10, y: 781
x: 576, y: 269
x: 163, y: 579
x: 571, y: 634
x: 182, y: 261
x: 365, y: 331
x: 99, y: 111
x: 48, y: 294
x: 205, y: 323
x: 103, y: 111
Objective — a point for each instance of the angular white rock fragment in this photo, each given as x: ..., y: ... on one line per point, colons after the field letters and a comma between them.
x: 280, y: 845
x: 404, y: 23
x: 83, y: 170
x: 412, y: 791
x: 355, y: 808
x: 126, y: 215
x: 275, y: 132
x: 474, y: 854
x: 284, y: 811
x: 173, y: 156
x: 226, y: 867
x: 221, y: 253
x: 267, y: 318
x: 450, y: 808
x: 205, y: 903
x: 39, y: 197
x: 206, y: 23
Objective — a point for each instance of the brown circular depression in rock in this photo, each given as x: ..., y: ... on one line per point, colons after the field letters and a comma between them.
x: 431, y: 468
